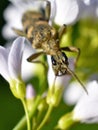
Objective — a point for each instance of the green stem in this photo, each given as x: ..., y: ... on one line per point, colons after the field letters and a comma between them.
x: 46, y: 117
x: 22, y: 123
x: 27, y: 114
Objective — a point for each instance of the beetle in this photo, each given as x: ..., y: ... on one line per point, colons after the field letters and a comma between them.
x: 42, y: 36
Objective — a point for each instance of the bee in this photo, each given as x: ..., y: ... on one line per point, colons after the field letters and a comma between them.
x: 41, y: 35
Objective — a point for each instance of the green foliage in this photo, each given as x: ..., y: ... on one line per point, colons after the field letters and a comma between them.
x: 84, y: 35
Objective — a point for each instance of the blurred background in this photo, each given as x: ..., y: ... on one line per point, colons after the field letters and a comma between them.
x: 84, y: 34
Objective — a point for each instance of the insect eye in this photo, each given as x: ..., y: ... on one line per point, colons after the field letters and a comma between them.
x: 63, y: 54
x: 26, y: 30
x: 53, y: 60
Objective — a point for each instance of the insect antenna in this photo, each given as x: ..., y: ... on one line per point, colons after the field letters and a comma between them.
x: 76, y: 77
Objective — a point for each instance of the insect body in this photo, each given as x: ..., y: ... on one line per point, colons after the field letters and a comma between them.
x: 43, y: 36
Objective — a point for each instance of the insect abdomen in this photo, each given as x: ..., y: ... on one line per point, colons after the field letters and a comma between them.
x: 30, y: 18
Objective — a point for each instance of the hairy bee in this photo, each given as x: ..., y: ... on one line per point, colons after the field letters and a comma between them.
x: 43, y: 36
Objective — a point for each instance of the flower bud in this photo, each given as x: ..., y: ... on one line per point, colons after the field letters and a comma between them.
x: 53, y: 98
x: 42, y: 105
x: 66, y: 121
x: 18, y: 89
x: 30, y: 96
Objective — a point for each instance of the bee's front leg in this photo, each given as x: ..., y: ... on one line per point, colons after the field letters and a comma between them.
x: 34, y: 56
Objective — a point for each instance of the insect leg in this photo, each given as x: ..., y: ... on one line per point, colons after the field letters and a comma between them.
x: 47, y: 10
x: 72, y: 49
x: 19, y: 32
x: 61, y: 31
x: 34, y: 56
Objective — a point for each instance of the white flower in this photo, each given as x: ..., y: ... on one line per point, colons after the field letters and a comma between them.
x: 27, y: 69
x: 73, y: 93
x: 69, y: 11
x: 10, y: 61
x: 10, y: 67
x: 86, y: 109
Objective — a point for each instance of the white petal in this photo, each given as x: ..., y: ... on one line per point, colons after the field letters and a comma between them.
x: 13, y: 18
x: 67, y: 11
x: 28, y: 69
x: 24, y: 5
x: 51, y: 75
x: 15, y: 1
x: 87, y: 8
x: 87, y: 2
x: 4, y: 63
x: 15, y: 57
x: 86, y: 109
x: 7, y: 32
x: 73, y: 93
